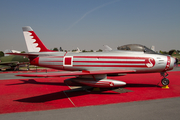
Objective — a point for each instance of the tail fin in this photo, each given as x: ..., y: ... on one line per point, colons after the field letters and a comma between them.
x: 34, y: 44
x: 78, y: 50
x: 107, y: 48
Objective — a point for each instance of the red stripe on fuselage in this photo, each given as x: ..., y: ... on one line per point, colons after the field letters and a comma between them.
x: 51, y: 61
x: 109, y: 57
x: 109, y: 62
x: 142, y: 66
x: 141, y: 62
x: 53, y: 56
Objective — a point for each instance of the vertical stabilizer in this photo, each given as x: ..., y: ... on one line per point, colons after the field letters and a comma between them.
x: 34, y: 44
x: 107, y: 48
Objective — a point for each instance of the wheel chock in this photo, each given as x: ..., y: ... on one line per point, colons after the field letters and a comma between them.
x: 165, y: 87
x: 96, y: 89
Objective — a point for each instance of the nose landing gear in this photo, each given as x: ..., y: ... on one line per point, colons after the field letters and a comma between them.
x: 165, y: 81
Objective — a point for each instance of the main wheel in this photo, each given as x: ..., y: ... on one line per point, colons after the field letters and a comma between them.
x: 165, y: 81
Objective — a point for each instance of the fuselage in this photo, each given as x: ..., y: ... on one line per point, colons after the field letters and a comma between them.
x: 126, y: 60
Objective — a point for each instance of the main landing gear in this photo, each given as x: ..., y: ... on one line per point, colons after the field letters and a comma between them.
x: 165, y: 81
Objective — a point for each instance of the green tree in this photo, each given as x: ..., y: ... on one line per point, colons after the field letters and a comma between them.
x: 164, y: 52
x: 99, y: 50
x: 84, y: 51
x: 87, y: 51
x: 23, y: 52
x: 171, y: 52
x: 55, y: 49
x: 1, y: 53
x: 74, y: 50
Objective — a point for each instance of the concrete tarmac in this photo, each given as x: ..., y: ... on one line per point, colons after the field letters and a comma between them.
x: 161, y: 109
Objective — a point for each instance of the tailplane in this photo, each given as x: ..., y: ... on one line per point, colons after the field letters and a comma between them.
x: 34, y: 44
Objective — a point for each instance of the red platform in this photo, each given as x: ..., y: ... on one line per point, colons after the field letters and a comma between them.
x: 21, y: 95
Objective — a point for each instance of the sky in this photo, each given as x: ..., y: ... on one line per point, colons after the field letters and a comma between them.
x: 90, y: 24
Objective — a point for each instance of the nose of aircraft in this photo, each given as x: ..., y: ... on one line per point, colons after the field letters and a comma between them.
x: 172, y: 63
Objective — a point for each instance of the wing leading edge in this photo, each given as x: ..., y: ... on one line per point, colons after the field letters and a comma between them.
x: 78, y: 73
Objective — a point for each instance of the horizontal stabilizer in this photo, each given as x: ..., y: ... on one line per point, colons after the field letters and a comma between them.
x: 23, y: 54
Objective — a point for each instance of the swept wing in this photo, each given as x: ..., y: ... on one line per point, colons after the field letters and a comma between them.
x: 78, y: 73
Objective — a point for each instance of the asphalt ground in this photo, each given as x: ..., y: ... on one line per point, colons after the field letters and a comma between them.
x: 162, y: 109
x: 144, y: 109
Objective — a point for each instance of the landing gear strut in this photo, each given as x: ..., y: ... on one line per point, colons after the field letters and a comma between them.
x: 165, y: 81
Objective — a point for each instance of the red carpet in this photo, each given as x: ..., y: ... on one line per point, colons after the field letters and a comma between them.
x: 22, y: 95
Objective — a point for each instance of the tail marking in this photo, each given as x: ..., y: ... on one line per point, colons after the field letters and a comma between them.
x: 34, y: 44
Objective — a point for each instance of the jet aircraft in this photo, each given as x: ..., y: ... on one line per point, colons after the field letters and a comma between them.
x: 175, y: 53
x: 12, y: 62
x: 92, y: 68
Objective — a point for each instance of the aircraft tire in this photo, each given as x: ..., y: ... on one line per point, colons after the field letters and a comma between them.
x: 165, y: 81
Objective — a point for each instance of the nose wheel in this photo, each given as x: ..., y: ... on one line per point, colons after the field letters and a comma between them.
x: 164, y: 81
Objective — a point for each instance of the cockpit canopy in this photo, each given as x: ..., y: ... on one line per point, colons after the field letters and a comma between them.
x: 136, y: 47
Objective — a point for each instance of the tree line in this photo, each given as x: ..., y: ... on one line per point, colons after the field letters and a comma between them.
x: 74, y: 50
